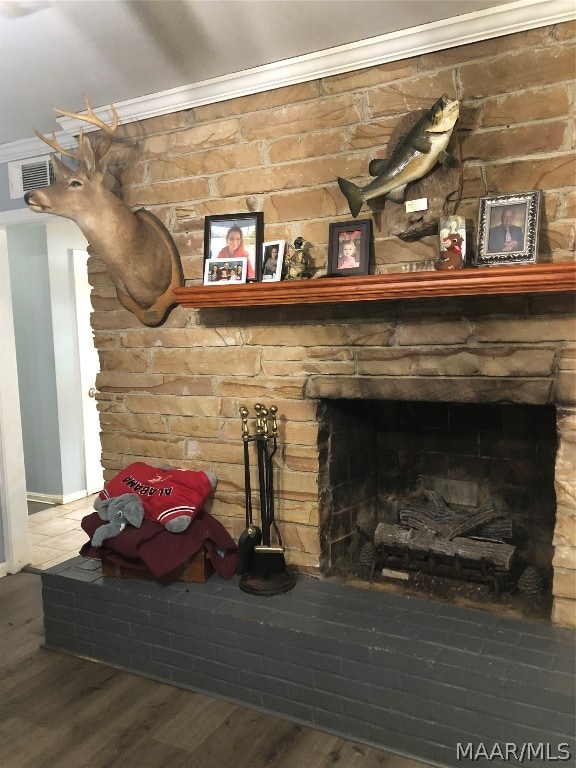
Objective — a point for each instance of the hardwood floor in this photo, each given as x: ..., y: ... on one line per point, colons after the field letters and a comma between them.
x: 58, y: 711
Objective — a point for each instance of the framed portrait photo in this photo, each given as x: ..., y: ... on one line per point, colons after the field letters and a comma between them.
x: 508, y: 229
x: 272, y: 260
x: 225, y: 271
x: 235, y: 236
x: 349, y: 248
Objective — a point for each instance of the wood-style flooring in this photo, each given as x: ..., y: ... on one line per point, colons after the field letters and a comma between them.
x: 58, y: 711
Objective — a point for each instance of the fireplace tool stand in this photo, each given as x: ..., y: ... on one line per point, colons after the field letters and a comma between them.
x: 262, y: 565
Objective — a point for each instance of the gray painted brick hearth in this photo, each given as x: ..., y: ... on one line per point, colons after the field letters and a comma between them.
x: 409, y: 675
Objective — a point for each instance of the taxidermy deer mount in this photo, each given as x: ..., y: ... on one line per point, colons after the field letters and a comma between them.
x: 140, y: 255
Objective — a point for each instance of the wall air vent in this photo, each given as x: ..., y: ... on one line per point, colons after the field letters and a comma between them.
x: 25, y: 175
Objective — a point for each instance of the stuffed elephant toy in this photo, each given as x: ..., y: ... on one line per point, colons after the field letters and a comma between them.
x: 119, y: 511
x: 181, y: 523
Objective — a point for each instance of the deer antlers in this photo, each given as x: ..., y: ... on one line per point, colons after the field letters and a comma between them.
x: 90, y: 117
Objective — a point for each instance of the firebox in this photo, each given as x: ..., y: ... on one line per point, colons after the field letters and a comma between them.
x: 452, y: 490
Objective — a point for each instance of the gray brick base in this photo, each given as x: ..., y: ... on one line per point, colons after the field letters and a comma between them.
x: 408, y: 675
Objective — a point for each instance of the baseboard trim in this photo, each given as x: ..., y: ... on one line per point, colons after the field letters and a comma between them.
x: 56, y: 499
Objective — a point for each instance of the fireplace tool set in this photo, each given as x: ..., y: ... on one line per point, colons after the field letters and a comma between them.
x: 262, y: 565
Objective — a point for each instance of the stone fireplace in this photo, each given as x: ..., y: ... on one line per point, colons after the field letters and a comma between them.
x: 474, y: 424
x: 171, y: 395
x: 507, y: 355
x: 377, y: 456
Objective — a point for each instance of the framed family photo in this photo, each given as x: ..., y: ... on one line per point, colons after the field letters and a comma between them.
x: 508, y: 229
x: 272, y: 260
x: 233, y: 237
x: 225, y: 271
x: 349, y: 248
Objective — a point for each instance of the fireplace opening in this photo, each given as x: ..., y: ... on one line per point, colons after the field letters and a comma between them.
x: 453, y: 501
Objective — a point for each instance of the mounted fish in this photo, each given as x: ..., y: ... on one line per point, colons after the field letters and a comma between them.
x: 415, y: 155
x: 139, y: 252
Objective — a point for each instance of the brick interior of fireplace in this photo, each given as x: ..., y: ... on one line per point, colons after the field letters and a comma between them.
x: 375, y: 455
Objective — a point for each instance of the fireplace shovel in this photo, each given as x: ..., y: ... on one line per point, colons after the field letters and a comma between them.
x: 251, y: 535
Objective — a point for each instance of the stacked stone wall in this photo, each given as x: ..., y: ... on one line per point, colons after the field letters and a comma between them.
x: 171, y: 395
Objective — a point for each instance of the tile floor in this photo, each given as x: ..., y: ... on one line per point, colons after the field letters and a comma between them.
x: 55, y: 533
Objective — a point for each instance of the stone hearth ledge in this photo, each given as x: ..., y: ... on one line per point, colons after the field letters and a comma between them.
x: 408, y: 675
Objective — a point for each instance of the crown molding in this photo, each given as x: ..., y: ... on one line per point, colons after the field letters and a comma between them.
x: 25, y: 148
x: 467, y: 28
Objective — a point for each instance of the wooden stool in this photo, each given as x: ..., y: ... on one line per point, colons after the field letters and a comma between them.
x: 196, y: 570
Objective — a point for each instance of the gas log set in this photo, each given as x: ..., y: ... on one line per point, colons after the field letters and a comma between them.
x: 435, y: 538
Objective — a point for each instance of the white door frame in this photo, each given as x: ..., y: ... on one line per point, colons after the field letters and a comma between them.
x: 89, y: 368
x: 13, y: 503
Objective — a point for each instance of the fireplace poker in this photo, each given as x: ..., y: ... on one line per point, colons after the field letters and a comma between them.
x: 261, y: 443
x: 267, y: 435
x: 251, y: 535
x: 270, y: 482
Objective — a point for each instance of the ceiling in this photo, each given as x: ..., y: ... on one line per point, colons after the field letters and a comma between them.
x: 54, y: 51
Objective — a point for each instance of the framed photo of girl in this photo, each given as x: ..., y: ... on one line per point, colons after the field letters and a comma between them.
x: 235, y: 236
x: 508, y: 229
x: 349, y: 248
x: 272, y: 260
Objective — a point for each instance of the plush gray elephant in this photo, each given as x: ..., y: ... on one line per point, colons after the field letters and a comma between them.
x: 181, y: 523
x: 119, y: 511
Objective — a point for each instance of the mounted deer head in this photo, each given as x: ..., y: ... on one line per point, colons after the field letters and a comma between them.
x: 141, y: 257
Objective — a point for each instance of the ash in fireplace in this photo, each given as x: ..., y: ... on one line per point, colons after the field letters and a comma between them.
x: 513, y: 602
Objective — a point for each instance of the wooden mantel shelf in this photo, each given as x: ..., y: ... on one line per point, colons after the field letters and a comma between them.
x: 483, y: 281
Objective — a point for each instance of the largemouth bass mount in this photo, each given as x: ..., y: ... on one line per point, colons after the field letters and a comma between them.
x: 415, y: 155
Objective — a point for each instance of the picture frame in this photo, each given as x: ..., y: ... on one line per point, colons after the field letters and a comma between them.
x: 272, y: 260
x: 233, y: 236
x: 452, y: 237
x: 225, y: 271
x: 349, y: 248
x: 508, y: 229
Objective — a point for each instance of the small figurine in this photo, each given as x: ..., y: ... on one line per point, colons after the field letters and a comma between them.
x: 296, y: 261
x: 452, y: 243
x: 451, y: 253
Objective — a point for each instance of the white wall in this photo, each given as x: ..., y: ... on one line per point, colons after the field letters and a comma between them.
x: 63, y: 237
x: 6, y: 202
x: 29, y: 280
x: 43, y: 299
x: 14, y: 548
x: 37, y: 286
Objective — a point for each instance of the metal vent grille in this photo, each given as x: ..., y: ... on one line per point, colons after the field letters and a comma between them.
x: 36, y: 175
x: 25, y: 175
